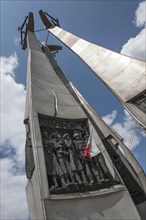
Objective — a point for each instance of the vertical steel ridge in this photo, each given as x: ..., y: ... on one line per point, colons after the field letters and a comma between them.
x: 30, y: 25
x: 45, y: 20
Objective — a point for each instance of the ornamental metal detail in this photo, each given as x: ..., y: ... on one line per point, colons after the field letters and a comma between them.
x: 68, y: 170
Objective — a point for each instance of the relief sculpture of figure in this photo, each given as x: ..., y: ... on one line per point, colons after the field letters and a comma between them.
x: 62, y: 156
x: 60, y: 169
x: 80, y: 145
x: 100, y: 161
x: 51, y: 160
x: 83, y: 163
x: 98, y: 174
x: 72, y: 156
x: 99, y: 168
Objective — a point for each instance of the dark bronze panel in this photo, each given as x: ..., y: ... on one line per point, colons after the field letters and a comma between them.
x: 29, y: 157
x: 68, y: 170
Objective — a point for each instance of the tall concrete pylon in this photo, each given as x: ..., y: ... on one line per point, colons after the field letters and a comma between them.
x: 123, y: 75
x: 63, y: 182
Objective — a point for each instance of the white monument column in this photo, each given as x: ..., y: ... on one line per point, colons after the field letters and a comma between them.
x: 123, y: 75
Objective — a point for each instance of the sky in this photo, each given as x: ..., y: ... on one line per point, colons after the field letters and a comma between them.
x: 118, y: 25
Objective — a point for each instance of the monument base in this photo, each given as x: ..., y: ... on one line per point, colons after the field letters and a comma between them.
x: 90, y: 205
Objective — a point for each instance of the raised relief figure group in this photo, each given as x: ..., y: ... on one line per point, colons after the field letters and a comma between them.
x: 67, y: 168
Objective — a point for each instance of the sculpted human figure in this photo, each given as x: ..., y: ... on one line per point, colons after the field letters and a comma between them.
x: 62, y: 155
x: 72, y: 156
x: 60, y: 172
x: 98, y: 166
x: 80, y: 145
x: 82, y: 163
x: 100, y: 161
x: 97, y: 172
x: 51, y: 160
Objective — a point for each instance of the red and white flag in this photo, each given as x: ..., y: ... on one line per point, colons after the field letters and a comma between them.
x: 91, y: 149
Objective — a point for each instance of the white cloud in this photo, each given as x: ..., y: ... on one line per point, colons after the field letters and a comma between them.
x: 13, y: 198
x: 12, y: 106
x: 109, y: 119
x: 43, y: 43
x: 127, y: 130
x: 17, y: 41
x: 125, y: 127
x: 140, y: 14
x: 13, y: 181
x: 136, y: 46
x: 8, y: 64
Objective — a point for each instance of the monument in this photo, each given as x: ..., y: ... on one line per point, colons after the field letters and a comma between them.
x: 74, y: 165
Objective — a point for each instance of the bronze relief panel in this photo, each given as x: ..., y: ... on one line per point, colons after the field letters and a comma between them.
x: 68, y: 170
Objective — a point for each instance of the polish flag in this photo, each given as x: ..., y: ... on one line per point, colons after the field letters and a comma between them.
x: 91, y: 149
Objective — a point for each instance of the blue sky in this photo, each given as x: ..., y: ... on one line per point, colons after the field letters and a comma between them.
x: 116, y: 25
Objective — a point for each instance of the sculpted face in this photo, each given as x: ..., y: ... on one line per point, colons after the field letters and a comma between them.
x: 67, y: 139
x: 45, y: 134
x: 77, y: 135
x: 86, y: 137
x: 58, y: 136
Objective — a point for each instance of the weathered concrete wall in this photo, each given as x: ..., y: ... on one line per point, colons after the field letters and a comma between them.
x: 125, y: 76
x: 108, y: 203
x: 34, y: 199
